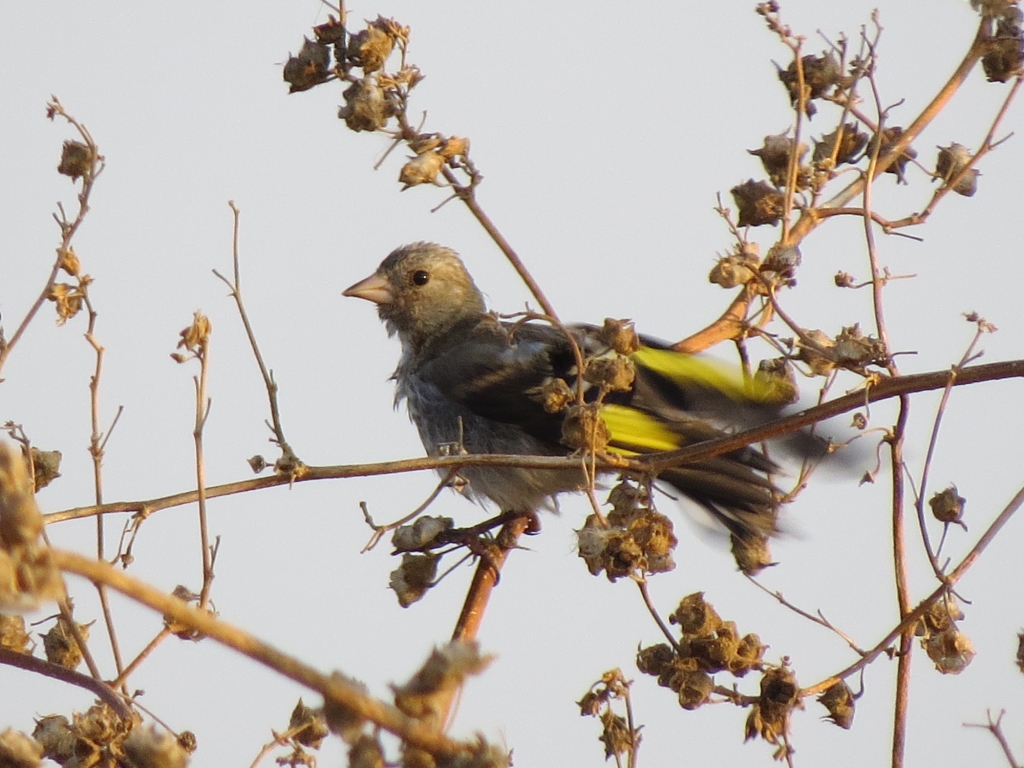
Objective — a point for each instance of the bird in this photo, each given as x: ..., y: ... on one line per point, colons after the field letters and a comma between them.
x: 481, y: 384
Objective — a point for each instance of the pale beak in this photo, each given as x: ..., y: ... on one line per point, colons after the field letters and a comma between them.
x: 375, y: 288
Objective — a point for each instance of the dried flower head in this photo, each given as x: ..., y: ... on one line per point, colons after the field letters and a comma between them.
x: 838, y: 699
x: 820, y: 74
x: 758, y: 203
x: 411, y: 580
x: 421, y: 169
x: 76, y: 159
x: 310, y: 67
x: 844, y: 144
x: 366, y: 107
x: 948, y: 506
x: 890, y: 137
x: 775, y: 154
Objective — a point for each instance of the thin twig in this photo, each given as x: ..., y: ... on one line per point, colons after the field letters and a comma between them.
x: 289, y: 463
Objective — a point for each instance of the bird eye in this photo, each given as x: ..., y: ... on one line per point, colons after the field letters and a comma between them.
x: 420, y: 277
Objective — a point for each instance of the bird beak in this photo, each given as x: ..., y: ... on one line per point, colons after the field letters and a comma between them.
x: 375, y: 288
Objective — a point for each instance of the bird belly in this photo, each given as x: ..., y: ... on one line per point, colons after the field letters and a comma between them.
x: 447, y: 428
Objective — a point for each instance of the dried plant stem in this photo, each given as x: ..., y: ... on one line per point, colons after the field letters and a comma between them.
x: 98, y: 688
x: 987, y: 146
x: 467, y: 193
x: 334, y: 688
x: 68, y: 227
x: 645, y: 594
x: 995, y: 727
x: 289, y: 462
x: 97, y: 449
x: 162, y: 635
x: 909, y: 621
x: 883, y: 389
x: 202, y: 414
x: 810, y: 219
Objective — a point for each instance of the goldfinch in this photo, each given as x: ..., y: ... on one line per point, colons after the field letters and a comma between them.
x: 485, y: 385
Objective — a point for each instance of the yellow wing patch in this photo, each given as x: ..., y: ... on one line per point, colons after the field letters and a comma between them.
x: 637, y: 430
x: 694, y: 369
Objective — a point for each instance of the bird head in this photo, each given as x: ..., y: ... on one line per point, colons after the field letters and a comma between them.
x: 421, y: 291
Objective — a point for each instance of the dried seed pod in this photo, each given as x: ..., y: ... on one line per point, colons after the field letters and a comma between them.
x: 45, y: 467
x: 890, y: 137
x: 783, y: 261
x: 654, y: 534
x: 421, y: 169
x: 453, y: 147
x: 418, y: 535
x: 780, y: 695
x: 54, y: 733
x: 76, y: 159
x: 309, y: 725
x: 411, y: 580
x: 758, y: 203
x: 751, y: 553
x: 839, y: 701
x: 554, y: 395
x: 370, y: 48
x: 68, y: 300
x: 330, y: 32
x: 343, y: 721
x: 775, y: 153
x: 584, y: 429
x: 21, y: 522
x: 60, y: 644
x: 821, y: 73
x: 655, y: 659
x: 748, y: 655
x: 18, y: 750
x: 695, y: 616
x: 152, y: 748
x: 1004, y: 55
x: 693, y: 687
x: 13, y: 636
x: 1020, y: 651
x: 851, y: 143
x: 309, y: 67
x: 948, y: 506
x: 619, y: 335
x: 820, y: 360
x: 366, y: 108
x: 612, y: 374
x: 951, y: 650
x: 738, y: 267
x: 853, y: 348
x: 615, y: 734
x: 951, y: 162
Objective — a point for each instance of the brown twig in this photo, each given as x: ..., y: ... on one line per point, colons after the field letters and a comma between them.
x: 996, y: 729
x: 68, y: 227
x: 98, y: 688
x: 909, y: 621
x: 289, y: 463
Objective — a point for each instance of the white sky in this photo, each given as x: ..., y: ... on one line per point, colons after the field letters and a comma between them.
x: 604, y: 132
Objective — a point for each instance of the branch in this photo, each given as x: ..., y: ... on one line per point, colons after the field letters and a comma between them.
x: 883, y: 389
x: 336, y: 689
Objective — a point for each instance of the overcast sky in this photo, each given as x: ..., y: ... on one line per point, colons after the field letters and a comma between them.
x: 604, y: 132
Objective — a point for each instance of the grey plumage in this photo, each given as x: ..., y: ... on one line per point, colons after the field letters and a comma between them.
x: 472, y: 381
